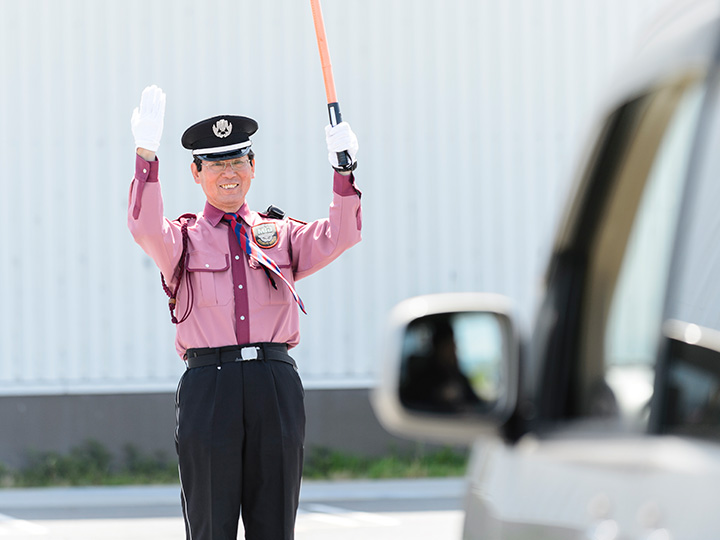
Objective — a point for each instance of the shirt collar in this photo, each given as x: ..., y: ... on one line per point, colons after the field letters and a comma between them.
x: 215, y: 215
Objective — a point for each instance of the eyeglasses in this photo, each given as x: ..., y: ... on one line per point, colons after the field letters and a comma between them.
x: 218, y: 167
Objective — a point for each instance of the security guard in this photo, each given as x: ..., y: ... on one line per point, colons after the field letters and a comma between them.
x: 230, y: 274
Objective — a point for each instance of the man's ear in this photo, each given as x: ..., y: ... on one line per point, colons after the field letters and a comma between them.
x: 195, y: 172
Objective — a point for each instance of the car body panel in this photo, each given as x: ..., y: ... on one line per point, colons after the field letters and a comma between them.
x: 639, y: 460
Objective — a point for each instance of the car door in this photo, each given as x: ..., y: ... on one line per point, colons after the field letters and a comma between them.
x: 613, y: 385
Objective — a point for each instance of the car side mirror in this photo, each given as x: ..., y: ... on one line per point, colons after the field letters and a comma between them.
x: 451, y: 367
x: 687, y: 388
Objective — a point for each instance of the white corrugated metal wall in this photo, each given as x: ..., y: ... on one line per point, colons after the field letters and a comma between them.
x: 468, y: 112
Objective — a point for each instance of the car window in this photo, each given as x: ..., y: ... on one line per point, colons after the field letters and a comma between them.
x: 630, y: 260
x: 695, y: 293
x: 691, y: 382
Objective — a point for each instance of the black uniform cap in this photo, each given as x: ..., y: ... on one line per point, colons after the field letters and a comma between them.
x: 220, y: 137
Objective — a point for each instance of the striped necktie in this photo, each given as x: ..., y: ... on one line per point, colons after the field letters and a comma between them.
x: 256, y: 254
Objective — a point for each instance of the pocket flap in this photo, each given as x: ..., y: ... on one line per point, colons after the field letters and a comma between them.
x: 204, y: 261
x: 280, y: 256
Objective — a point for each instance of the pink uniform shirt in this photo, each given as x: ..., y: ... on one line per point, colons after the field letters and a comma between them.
x: 234, y: 301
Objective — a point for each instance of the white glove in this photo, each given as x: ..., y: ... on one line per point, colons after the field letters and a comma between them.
x: 147, y: 120
x: 340, y: 138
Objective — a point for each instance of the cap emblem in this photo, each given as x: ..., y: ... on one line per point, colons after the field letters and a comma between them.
x: 222, y: 128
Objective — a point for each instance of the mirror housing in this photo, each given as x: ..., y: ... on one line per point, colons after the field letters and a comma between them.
x: 687, y: 382
x: 450, y: 368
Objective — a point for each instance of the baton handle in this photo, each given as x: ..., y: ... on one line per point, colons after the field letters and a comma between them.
x: 335, y: 119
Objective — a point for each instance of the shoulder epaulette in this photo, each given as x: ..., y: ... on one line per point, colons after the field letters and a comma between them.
x: 186, y: 217
x: 273, y: 212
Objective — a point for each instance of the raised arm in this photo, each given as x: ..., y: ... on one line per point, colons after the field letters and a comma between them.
x: 316, y: 244
x: 159, y: 238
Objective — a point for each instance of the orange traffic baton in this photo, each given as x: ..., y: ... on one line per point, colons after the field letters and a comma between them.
x: 333, y: 105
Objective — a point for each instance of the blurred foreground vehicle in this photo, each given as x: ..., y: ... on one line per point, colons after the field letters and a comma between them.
x: 604, y: 423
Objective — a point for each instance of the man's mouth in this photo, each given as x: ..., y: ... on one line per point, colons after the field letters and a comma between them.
x: 229, y: 186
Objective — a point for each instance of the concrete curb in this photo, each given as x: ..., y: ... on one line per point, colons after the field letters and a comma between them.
x: 311, y: 491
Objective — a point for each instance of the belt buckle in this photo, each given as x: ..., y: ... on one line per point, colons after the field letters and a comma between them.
x: 249, y: 353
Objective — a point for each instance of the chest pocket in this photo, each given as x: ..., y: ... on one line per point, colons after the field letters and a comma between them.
x: 210, y: 277
x: 262, y: 291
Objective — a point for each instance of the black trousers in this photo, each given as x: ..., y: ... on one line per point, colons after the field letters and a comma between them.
x: 240, y: 432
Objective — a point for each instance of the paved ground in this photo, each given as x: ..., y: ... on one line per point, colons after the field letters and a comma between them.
x: 405, y: 509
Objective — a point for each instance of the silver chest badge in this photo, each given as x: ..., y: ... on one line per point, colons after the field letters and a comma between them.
x: 222, y: 128
x: 265, y: 235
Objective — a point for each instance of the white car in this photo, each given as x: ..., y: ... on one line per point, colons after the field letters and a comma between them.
x: 604, y: 422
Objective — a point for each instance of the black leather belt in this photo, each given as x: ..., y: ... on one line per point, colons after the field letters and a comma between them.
x: 210, y: 356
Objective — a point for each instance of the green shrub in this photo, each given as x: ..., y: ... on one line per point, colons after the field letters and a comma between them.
x: 322, y: 463
x: 90, y: 463
x: 87, y: 464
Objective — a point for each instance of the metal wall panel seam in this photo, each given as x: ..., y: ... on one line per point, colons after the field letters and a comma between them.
x: 450, y: 134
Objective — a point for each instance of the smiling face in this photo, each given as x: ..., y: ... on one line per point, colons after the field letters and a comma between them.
x: 225, y: 189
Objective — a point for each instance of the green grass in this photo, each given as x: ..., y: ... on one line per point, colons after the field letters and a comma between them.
x: 92, y: 464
